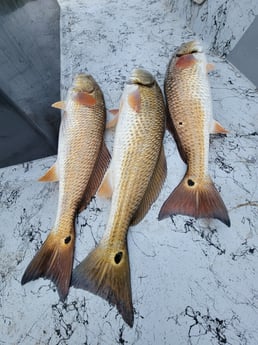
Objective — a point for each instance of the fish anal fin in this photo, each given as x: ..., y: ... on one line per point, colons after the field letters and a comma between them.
x: 96, y: 176
x: 113, y: 122
x: 59, y: 105
x: 199, y: 200
x: 53, y: 261
x: 51, y: 175
x: 134, y: 100
x: 154, y: 188
x: 84, y: 98
x: 105, y: 272
x: 216, y: 128
x: 106, y: 189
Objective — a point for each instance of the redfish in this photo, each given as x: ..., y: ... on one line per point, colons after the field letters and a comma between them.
x: 189, y: 103
x: 81, y: 164
x: 134, y: 179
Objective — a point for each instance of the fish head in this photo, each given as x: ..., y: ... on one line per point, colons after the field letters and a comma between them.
x: 85, y: 90
x: 189, y: 54
x: 192, y: 47
x: 141, y: 77
x: 84, y: 83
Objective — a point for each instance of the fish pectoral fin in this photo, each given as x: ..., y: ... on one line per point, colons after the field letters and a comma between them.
x: 97, y: 175
x: 134, y: 100
x: 51, y: 175
x: 216, y: 128
x: 53, y: 261
x: 113, y: 122
x: 59, y: 105
x: 84, y: 98
x: 210, y: 67
x: 194, y: 199
x: 106, y: 274
x: 106, y: 189
x: 154, y: 188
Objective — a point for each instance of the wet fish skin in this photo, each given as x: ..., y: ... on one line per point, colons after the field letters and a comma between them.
x: 134, y: 179
x: 81, y: 163
x: 190, y: 121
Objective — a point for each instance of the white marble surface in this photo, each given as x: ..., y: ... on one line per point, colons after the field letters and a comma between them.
x: 193, y: 281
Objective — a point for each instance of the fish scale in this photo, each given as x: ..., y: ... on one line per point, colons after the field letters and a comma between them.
x: 190, y: 119
x: 134, y: 179
x: 81, y: 163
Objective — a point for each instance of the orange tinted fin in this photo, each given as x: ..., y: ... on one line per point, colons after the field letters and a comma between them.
x: 106, y: 189
x: 59, y: 105
x: 51, y: 175
x: 195, y: 200
x: 216, y: 128
x: 53, y: 261
x: 96, y: 176
x: 134, y: 100
x: 106, y: 273
x: 210, y: 67
x: 84, y: 98
x: 113, y: 122
x: 154, y: 188
x: 185, y: 61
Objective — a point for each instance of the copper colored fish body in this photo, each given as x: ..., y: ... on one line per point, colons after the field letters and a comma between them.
x: 134, y: 179
x: 81, y: 163
x: 189, y: 103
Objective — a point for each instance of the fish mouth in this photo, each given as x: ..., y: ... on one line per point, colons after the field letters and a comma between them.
x: 142, y: 77
x: 188, y: 48
x: 84, y: 83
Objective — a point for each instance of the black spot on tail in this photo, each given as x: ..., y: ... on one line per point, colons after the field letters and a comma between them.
x: 118, y: 257
x: 67, y: 239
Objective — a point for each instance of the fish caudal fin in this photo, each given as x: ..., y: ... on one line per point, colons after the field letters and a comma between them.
x: 199, y: 200
x: 106, y: 273
x: 53, y: 261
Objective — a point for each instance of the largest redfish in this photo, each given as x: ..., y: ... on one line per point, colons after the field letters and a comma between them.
x: 135, y: 177
x: 81, y: 163
x: 190, y: 106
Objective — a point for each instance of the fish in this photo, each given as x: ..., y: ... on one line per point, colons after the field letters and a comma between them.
x: 82, y: 160
x: 133, y: 182
x: 190, y: 120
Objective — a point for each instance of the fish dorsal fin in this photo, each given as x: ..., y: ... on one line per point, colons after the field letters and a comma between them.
x: 216, y: 128
x: 113, y: 122
x: 51, y: 175
x: 210, y: 67
x: 96, y: 176
x: 154, y: 188
x: 134, y: 100
x: 106, y: 189
x: 59, y: 105
x: 84, y: 98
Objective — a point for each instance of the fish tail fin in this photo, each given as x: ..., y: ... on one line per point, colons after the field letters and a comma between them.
x: 53, y: 261
x: 105, y: 272
x: 199, y: 200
